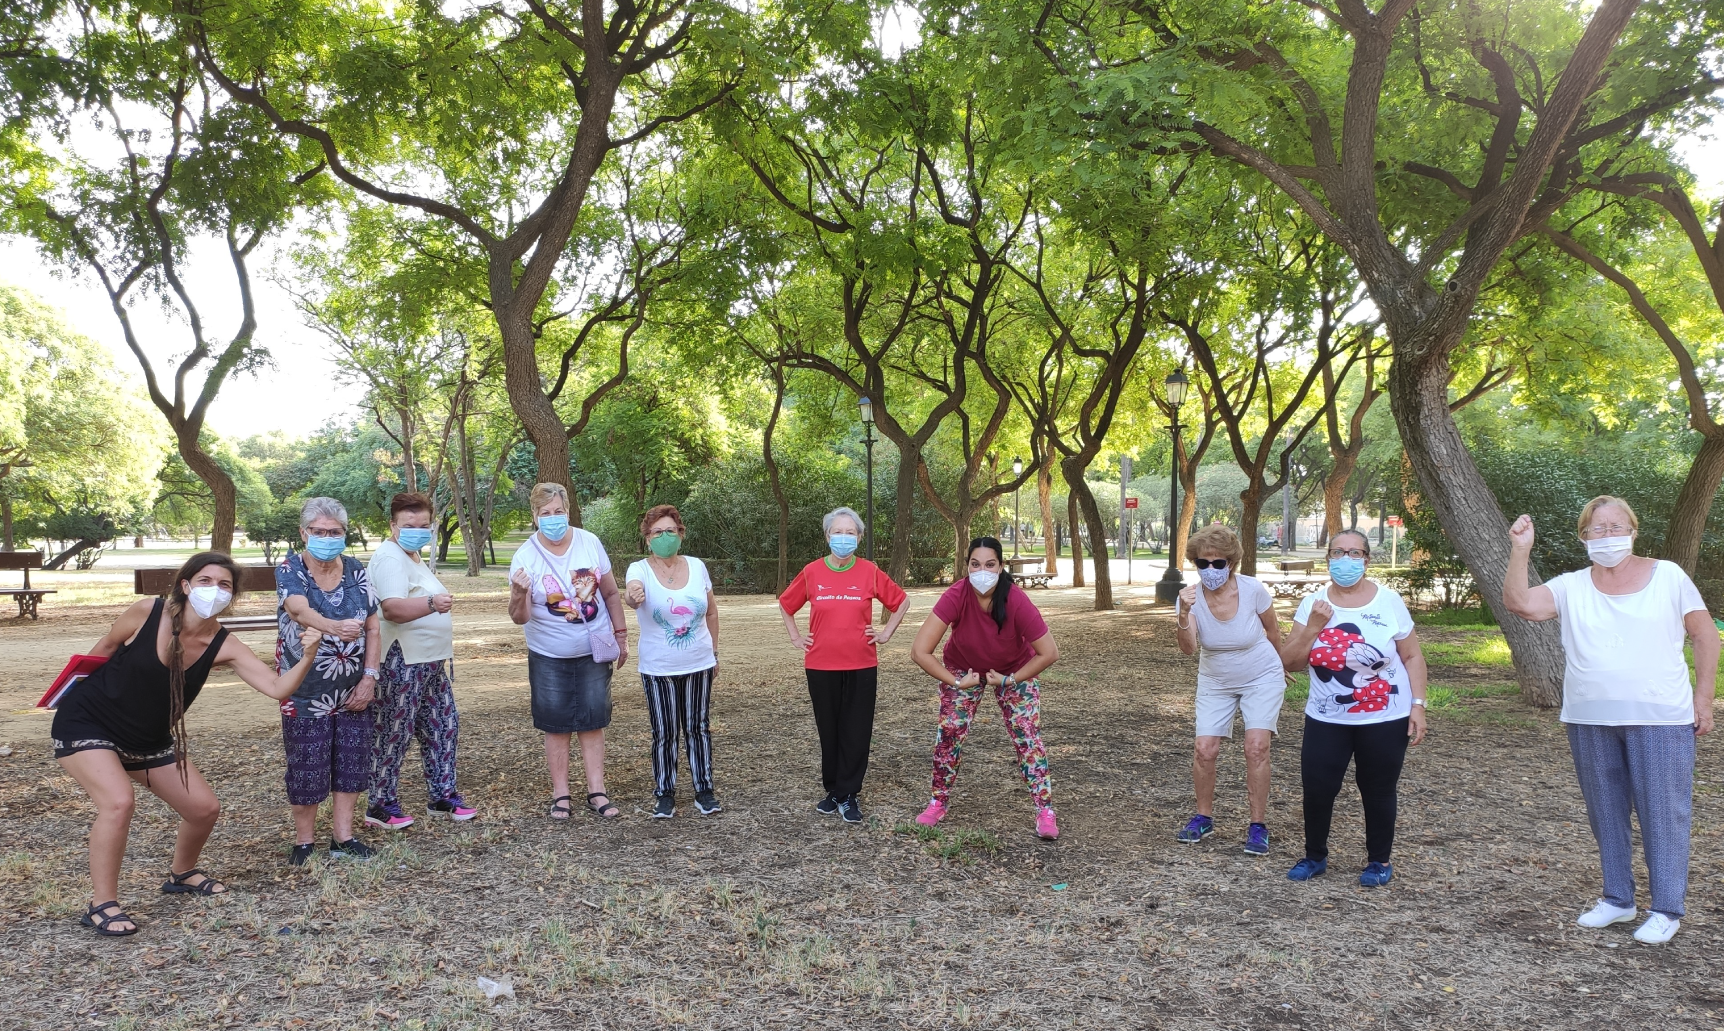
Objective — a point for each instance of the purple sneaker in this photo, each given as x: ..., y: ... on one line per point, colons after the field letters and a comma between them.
x: 1257, y: 840
x: 1196, y: 829
x: 389, y: 817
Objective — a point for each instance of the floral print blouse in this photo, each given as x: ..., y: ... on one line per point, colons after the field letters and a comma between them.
x: 340, y: 664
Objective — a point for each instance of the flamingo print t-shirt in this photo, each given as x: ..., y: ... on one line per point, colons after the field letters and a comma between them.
x: 1356, y: 670
x: 674, y: 639
x: 340, y: 664
x: 566, y: 609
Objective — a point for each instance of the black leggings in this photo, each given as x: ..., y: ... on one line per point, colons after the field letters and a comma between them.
x: 844, y: 715
x: 1377, y: 751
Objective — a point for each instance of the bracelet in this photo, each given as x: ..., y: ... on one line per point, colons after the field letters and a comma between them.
x: 1420, y: 702
x: 430, y: 604
x: 1182, y: 626
x: 370, y: 673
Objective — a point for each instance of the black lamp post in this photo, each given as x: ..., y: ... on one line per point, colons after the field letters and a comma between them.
x: 1168, y: 587
x: 1017, y: 471
x: 867, y: 408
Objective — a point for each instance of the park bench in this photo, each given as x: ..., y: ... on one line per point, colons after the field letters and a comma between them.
x: 1294, y: 587
x: 28, y: 597
x: 1021, y: 572
x: 251, y: 579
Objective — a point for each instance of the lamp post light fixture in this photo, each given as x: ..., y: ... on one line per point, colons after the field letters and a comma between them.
x: 1172, y: 581
x: 867, y: 409
x: 1017, y: 471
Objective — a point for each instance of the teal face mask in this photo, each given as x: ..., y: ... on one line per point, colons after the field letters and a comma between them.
x: 1346, y: 571
x: 554, y: 527
x: 325, y: 548
x: 412, y: 538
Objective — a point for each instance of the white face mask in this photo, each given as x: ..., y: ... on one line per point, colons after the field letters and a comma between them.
x: 1610, y: 551
x: 208, y: 600
x: 983, y: 581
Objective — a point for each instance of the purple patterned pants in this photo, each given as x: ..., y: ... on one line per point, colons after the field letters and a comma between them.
x: 415, y: 702
x: 325, y: 754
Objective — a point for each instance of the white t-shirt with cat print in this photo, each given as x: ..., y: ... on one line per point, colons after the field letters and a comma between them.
x: 1356, y: 672
x: 565, y: 591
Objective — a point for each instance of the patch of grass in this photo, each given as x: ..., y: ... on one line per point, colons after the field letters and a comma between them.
x: 1457, y: 619
x: 1299, y: 689
x: 1482, y: 651
x: 950, y: 844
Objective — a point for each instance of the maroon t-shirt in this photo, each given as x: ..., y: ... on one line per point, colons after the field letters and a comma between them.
x: 976, y: 642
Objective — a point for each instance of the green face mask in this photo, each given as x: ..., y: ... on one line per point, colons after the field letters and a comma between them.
x: 665, y: 545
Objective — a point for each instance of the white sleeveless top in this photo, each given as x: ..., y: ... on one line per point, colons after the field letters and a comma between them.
x: 1236, y: 653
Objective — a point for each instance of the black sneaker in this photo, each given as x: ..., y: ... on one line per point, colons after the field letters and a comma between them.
x: 352, y: 848
x: 707, y: 803
x: 300, y: 855
x: 666, y: 807
x: 827, y: 806
x: 851, y: 810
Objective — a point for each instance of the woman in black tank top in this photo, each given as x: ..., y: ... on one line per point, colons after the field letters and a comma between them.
x: 126, y: 721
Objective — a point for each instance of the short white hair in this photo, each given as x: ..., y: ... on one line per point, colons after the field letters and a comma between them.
x: 322, y: 508
x: 833, y: 516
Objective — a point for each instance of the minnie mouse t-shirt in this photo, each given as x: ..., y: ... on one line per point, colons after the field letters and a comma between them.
x: 1356, y: 672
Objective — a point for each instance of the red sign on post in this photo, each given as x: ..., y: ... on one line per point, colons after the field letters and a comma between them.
x: 1394, y: 520
x: 1130, y: 502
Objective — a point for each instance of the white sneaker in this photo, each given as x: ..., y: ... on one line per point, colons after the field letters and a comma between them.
x: 1603, y: 914
x: 1657, y: 930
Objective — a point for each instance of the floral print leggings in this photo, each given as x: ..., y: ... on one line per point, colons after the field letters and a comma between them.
x: 1021, y: 705
x: 415, y: 700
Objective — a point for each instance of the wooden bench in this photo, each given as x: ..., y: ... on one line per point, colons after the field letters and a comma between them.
x: 1295, y: 565
x: 1023, y: 575
x: 252, y: 579
x: 28, y: 597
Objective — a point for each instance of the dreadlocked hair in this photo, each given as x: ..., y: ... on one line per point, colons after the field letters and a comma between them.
x: 1003, y: 589
x: 174, y: 600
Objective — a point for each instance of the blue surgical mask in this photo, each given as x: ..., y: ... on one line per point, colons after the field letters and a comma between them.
x: 326, y: 548
x: 412, y: 538
x: 1212, y: 578
x: 554, y: 527
x: 842, y: 544
x: 1346, y: 571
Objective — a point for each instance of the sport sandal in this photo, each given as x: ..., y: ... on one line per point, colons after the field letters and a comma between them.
x: 560, y: 809
x: 104, y: 924
x: 608, y: 811
x: 176, y: 884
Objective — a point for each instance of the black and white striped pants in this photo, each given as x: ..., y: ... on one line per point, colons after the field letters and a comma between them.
x: 679, y: 705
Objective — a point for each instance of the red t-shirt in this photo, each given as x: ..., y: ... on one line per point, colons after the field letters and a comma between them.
x: 841, y: 606
x: 976, y: 642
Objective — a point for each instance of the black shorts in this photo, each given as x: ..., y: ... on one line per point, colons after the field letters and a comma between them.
x: 73, y: 735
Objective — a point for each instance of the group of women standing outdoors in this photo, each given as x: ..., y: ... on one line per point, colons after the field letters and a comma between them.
x: 364, y: 668
x: 1632, y: 711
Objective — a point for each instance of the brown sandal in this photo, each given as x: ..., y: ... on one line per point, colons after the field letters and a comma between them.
x: 104, y: 924
x: 608, y: 811
x: 176, y: 884
x: 560, y: 811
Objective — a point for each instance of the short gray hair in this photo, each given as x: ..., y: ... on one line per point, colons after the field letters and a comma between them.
x: 322, y: 508
x: 832, y: 517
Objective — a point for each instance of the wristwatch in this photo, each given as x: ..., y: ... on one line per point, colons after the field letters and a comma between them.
x: 1420, y: 702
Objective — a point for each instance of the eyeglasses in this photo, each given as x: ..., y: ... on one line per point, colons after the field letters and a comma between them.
x: 1613, y: 530
x: 326, y: 533
x: 1209, y: 563
x: 663, y: 533
x: 1350, y: 553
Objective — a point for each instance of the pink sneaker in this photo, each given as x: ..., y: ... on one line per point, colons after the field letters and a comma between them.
x: 932, y: 815
x: 389, y: 817
x: 454, y: 807
x: 1046, y: 826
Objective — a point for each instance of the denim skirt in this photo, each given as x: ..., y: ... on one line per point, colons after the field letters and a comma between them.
x: 570, y: 696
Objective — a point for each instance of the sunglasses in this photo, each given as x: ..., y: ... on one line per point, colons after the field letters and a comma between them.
x: 1209, y: 563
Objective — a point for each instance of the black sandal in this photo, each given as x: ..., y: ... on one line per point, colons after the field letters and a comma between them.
x: 104, y: 924
x: 557, y: 807
x: 608, y: 811
x: 176, y: 884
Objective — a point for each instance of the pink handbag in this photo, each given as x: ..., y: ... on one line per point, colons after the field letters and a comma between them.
x: 605, y: 647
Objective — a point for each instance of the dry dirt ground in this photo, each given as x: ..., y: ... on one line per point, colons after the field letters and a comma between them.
x: 769, y: 915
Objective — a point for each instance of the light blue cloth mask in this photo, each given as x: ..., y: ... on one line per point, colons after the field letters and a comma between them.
x: 554, y: 527
x: 412, y: 538
x: 1346, y: 571
x: 325, y: 548
x: 842, y: 544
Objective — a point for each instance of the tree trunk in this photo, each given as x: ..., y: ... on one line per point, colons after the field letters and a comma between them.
x: 5, y: 522
x: 1251, y: 511
x: 904, y: 516
x: 521, y: 377
x: 1187, y: 516
x: 409, y: 472
x: 60, y: 560
x: 1465, y: 507
x: 783, y: 577
x: 1694, y: 503
x: 222, y: 490
x: 1077, y: 537
x: 1050, y: 531
x: 1086, y: 503
x: 1335, y: 491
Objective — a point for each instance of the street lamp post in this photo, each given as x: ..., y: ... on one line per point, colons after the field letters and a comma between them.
x: 1017, y: 471
x: 1168, y: 587
x: 867, y: 408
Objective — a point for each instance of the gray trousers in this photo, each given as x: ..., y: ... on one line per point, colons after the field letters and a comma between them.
x: 1644, y: 770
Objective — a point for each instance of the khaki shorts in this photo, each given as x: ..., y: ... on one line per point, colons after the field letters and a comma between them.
x: 1259, y: 704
